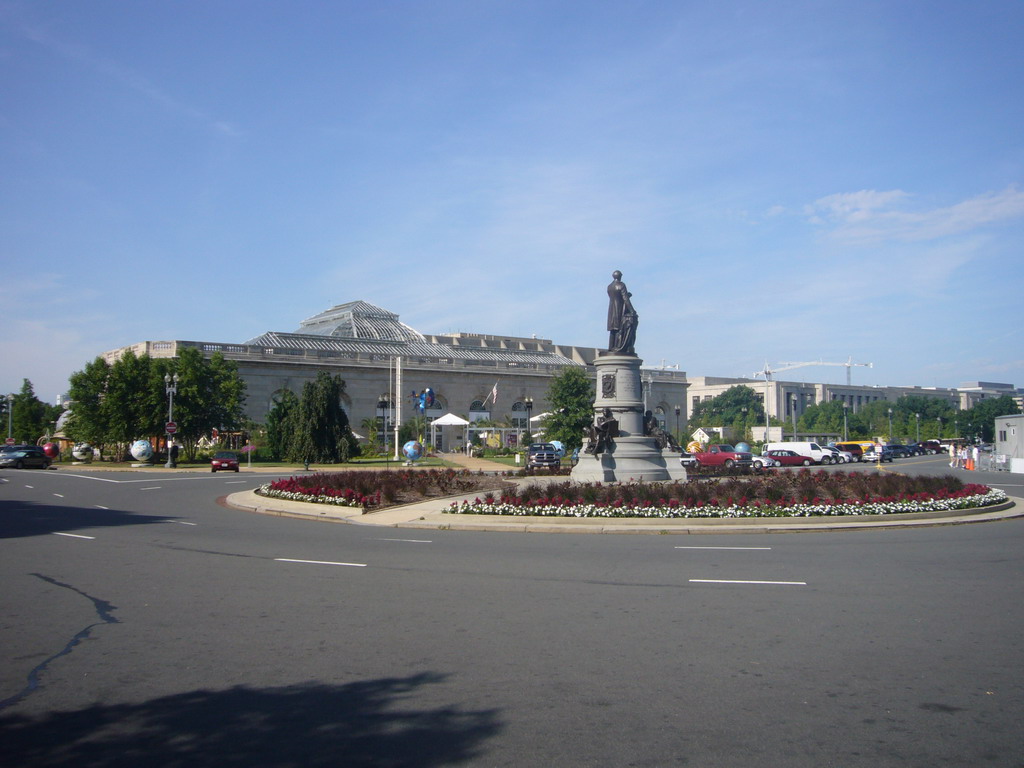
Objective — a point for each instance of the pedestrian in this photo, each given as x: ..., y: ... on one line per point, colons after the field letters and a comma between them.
x: 174, y: 455
x: 952, y: 454
x: 975, y: 455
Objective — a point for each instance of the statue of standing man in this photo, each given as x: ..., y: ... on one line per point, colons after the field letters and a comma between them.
x: 622, y: 318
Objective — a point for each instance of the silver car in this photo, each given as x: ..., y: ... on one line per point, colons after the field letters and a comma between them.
x: 764, y: 462
x: 838, y: 456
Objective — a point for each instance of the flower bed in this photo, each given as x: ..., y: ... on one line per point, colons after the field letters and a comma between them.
x: 376, y: 490
x: 801, y: 494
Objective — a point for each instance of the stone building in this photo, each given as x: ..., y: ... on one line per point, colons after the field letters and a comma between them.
x: 476, y: 376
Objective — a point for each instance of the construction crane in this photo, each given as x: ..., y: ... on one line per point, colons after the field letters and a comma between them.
x: 849, y: 364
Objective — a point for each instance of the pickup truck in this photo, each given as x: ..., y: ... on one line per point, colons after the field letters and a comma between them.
x: 722, y: 456
x: 543, y: 455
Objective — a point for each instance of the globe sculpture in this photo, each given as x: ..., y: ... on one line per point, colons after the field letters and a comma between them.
x: 82, y: 451
x: 52, y: 450
x: 743, y: 447
x: 141, y: 450
x: 694, y: 446
x: 413, y: 450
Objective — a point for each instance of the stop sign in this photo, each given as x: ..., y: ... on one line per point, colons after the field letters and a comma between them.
x: 9, y: 441
x: 171, y: 428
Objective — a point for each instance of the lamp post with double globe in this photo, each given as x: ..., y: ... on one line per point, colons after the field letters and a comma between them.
x: 846, y: 432
x: 917, y: 418
x: 170, y: 387
x: 890, y: 425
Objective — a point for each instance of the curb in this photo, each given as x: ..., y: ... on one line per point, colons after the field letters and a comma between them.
x: 428, y: 515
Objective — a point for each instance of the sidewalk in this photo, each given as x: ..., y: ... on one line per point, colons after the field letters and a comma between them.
x: 430, y: 515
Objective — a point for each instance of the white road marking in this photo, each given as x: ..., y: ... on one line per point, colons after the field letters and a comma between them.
x: 151, y: 488
x: 72, y: 535
x: 410, y: 541
x: 737, y: 581
x: 237, y: 482
x: 743, y: 548
x: 182, y: 522
x: 30, y: 486
x: 318, y: 562
x: 59, y: 495
x: 100, y: 506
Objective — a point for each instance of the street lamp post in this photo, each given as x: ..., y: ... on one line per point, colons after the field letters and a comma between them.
x: 956, y: 427
x: 917, y: 418
x: 171, y: 388
x: 10, y: 410
x: 744, y: 422
x: 793, y: 396
x: 679, y: 435
x: 846, y: 432
x: 890, y: 425
x: 939, y: 419
x: 528, y: 402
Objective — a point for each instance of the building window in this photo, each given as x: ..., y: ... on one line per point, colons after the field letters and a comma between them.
x: 519, y: 415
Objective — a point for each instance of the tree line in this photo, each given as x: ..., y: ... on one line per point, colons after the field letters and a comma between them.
x: 740, y: 407
x: 113, y: 404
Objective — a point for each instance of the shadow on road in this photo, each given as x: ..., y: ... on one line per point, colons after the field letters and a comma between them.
x: 26, y: 518
x: 358, y: 724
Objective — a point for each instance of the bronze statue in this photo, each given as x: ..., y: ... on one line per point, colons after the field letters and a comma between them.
x: 622, y: 318
x: 662, y: 438
x: 602, y: 433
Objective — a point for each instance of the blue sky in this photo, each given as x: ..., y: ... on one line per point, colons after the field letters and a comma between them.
x: 777, y: 181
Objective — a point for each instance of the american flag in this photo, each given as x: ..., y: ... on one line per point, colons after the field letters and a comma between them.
x: 494, y: 393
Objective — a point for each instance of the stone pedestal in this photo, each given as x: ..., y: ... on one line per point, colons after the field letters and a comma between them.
x: 632, y: 455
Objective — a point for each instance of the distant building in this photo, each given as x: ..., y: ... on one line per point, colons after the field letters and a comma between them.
x: 476, y: 376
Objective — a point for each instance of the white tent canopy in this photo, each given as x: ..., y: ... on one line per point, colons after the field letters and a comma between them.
x: 450, y: 420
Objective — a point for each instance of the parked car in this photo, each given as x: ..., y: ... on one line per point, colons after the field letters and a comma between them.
x: 932, y: 447
x: 813, y: 451
x: 789, y: 458
x: 838, y: 456
x: 916, y: 449
x: 879, y: 454
x: 543, y: 455
x: 224, y: 460
x: 688, y: 460
x: 854, y: 449
x: 722, y: 456
x: 764, y: 462
x: 23, y: 457
x: 899, y: 451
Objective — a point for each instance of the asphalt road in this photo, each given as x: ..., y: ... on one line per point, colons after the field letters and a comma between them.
x: 146, y: 624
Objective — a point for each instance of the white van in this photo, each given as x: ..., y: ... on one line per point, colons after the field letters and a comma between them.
x: 812, y: 451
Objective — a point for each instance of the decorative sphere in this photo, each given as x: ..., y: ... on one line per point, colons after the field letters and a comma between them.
x: 694, y: 446
x: 141, y: 450
x: 82, y: 451
x: 559, y: 448
x: 743, y: 447
x: 413, y: 450
x: 52, y: 450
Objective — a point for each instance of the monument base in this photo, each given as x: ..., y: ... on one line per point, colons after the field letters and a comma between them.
x: 630, y: 455
x: 635, y: 459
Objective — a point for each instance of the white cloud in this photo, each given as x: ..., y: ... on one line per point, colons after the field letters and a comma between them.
x: 871, y: 216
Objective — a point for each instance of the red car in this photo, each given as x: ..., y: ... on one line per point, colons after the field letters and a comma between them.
x: 224, y: 460
x: 790, y: 458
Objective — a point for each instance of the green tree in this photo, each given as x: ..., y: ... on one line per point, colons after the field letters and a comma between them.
x: 322, y: 433
x: 571, y: 400
x: 87, y: 422
x: 210, y: 396
x: 281, y: 424
x: 727, y: 409
x: 30, y: 416
x: 978, y: 423
x: 129, y: 404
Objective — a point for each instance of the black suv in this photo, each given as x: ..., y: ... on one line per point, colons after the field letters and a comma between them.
x: 543, y: 455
